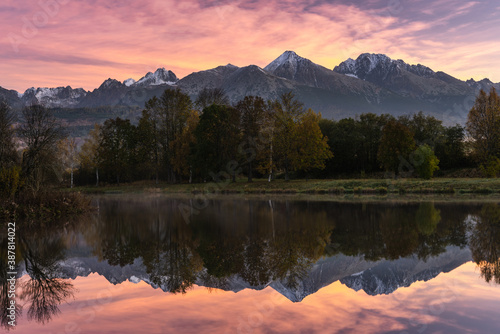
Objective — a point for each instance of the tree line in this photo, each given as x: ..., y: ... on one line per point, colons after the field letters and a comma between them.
x: 178, y: 140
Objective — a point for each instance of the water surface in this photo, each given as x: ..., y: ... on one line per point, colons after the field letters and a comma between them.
x: 157, y: 264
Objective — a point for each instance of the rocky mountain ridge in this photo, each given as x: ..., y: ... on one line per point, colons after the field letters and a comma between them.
x: 370, y: 83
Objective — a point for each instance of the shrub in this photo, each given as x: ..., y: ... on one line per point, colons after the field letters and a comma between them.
x: 10, y: 181
x: 492, y: 168
x: 425, y: 161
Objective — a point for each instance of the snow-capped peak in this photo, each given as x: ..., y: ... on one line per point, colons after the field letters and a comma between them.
x: 289, y: 57
x: 159, y: 77
x: 367, y: 63
x: 129, y: 82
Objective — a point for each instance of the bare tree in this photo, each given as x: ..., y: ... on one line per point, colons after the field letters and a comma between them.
x: 8, y: 154
x: 209, y: 96
x: 40, y: 132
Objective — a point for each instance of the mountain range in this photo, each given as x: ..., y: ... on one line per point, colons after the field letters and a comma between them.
x: 371, y: 83
x: 374, y: 278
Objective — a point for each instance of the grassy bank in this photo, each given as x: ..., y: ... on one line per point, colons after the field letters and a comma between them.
x: 43, y: 207
x: 362, y: 186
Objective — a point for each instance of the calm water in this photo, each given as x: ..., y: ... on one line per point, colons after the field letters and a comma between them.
x: 154, y: 264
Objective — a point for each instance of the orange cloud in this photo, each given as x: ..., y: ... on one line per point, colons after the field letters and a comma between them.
x: 459, y: 301
x: 82, y: 43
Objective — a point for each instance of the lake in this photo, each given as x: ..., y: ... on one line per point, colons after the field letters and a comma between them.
x: 232, y: 264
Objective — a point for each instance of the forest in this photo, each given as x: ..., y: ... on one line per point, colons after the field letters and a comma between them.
x: 176, y: 140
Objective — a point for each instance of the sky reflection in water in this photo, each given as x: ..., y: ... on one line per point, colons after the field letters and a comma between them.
x: 317, y: 254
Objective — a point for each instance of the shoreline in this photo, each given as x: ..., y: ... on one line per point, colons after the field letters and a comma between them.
x: 362, y: 187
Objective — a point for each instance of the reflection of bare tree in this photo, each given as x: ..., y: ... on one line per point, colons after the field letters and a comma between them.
x: 5, y: 300
x: 45, y: 295
x: 44, y: 292
x: 484, y: 242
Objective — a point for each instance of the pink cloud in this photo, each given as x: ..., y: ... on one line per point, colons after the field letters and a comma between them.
x: 459, y: 301
x: 82, y: 43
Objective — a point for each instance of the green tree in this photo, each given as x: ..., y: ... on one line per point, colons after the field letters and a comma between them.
x: 370, y: 128
x: 217, y: 137
x: 425, y: 161
x: 483, y: 125
x: 175, y: 107
x: 451, y: 151
x: 396, y: 144
x: 89, y: 152
x: 254, y: 114
x: 426, y: 129
x: 148, y: 134
x: 117, y: 148
x: 183, y: 144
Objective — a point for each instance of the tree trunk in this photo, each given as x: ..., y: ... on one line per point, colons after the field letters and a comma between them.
x: 250, y: 171
x: 71, y: 178
x: 97, y: 177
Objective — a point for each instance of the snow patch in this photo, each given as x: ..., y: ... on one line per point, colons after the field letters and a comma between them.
x: 129, y: 82
x: 134, y: 279
x: 160, y: 77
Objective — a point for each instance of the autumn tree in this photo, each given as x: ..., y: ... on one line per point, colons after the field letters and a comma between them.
x: 287, y: 113
x: 254, y: 115
x: 68, y: 153
x: 483, y: 125
x: 89, y: 152
x: 40, y: 132
x: 396, y: 144
x: 311, y: 146
x: 209, y: 96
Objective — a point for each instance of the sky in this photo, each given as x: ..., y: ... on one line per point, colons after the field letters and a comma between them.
x: 454, y: 302
x: 81, y: 43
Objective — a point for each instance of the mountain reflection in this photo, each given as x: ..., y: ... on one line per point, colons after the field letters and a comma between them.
x: 296, y: 247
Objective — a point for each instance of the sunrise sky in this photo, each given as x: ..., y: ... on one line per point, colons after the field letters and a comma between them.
x: 49, y: 43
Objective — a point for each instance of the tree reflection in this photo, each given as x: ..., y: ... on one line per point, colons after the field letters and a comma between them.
x: 44, y: 292
x: 4, y: 293
x: 239, y: 243
x: 392, y: 231
x: 485, y: 242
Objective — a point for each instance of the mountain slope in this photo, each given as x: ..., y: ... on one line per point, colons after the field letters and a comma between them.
x: 371, y: 83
